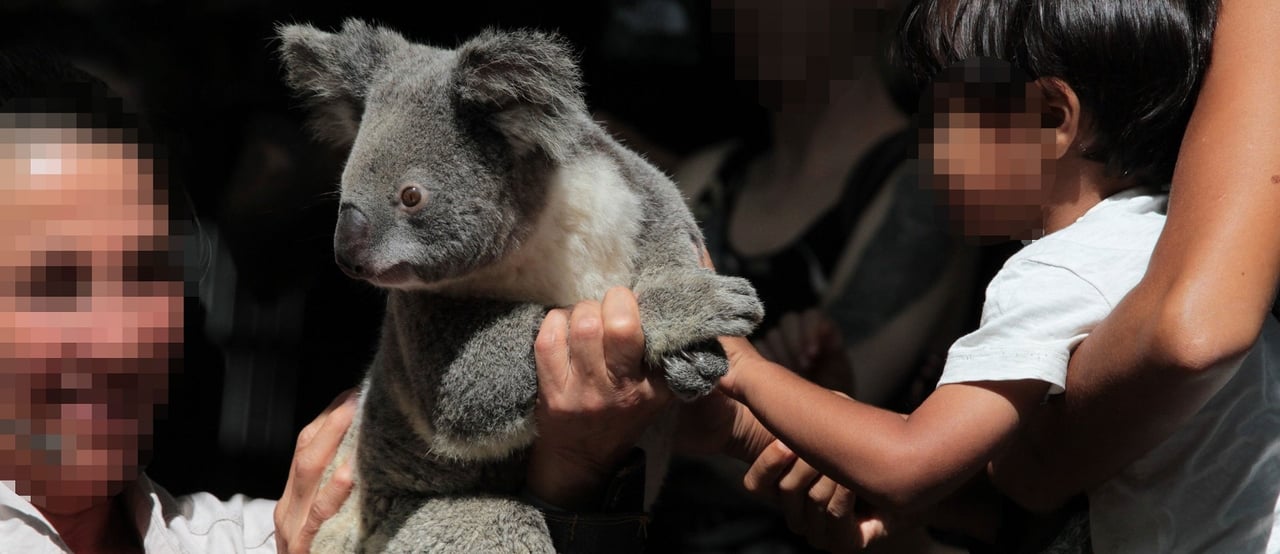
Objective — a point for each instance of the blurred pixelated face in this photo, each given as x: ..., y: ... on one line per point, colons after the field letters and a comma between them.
x: 89, y: 314
x: 787, y: 46
x: 994, y: 166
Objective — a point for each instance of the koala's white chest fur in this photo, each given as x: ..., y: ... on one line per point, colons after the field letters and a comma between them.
x: 584, y: 241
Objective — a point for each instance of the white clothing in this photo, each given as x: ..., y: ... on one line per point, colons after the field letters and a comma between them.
x: 193, y: 524
x: 1210, y: 487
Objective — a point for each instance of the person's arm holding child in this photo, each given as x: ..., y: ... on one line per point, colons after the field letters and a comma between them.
x: 1175, y: 339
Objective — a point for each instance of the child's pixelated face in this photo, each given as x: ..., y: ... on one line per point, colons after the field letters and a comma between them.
x: 991, y: 157
x: 90, y: 309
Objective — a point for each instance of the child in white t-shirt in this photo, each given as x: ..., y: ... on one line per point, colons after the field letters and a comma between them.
x: 1056, y: 123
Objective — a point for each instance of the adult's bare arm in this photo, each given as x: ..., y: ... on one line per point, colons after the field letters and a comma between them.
x: 1175, y: 339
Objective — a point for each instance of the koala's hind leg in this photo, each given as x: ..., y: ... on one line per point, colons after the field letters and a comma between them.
x: 682, y: 312
x: 469, y: 524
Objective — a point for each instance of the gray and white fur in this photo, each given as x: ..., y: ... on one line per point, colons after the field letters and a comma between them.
x: 526, y: 203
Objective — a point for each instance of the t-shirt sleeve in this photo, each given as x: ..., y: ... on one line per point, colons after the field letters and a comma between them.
x: 1035, y: 314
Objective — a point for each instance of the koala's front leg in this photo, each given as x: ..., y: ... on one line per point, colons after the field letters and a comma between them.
x: 481, y: 383
x: 682, y: 311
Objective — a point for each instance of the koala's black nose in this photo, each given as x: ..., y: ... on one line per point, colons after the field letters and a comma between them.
x: 351, y: 241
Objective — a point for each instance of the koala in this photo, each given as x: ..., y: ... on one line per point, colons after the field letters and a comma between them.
x: 479, y: 194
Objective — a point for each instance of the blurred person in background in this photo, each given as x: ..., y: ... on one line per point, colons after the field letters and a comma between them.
x: 821, y: 212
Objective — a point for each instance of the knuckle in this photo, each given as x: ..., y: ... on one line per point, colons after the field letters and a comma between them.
x: 305, y: 436
x: 278, y: 515
x: 586, y: 327
x: 594, y: 406
x: 622, y: 327
x: 316, y: 515
x: 342, y: 479
x: 308, y: 465
x: 544, y: 344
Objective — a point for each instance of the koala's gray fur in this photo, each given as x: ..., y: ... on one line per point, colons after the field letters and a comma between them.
x: 528, y: 204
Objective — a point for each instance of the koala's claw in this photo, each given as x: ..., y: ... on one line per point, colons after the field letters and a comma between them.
x: 681, y: 309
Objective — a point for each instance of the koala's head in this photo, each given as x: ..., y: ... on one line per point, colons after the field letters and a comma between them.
x: 447, y: 147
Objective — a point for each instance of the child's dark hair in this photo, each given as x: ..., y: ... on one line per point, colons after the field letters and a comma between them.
x: 1135, y: 65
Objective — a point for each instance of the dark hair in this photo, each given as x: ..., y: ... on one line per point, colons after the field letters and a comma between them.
x: 40, y: 81
x: 36, y: 80
x: 1135, y: 65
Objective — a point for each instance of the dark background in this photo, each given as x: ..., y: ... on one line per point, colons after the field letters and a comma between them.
x: 273, y: 330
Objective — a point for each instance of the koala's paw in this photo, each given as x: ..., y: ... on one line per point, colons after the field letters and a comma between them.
x: 733, y: 309
x: 684, y: 308
x: 692, y: 373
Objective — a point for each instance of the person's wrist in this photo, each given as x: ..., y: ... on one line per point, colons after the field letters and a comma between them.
x: 565, y: 479
x: 568, y: 479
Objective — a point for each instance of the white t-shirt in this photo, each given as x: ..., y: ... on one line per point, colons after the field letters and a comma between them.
x: 192, y: 524
x: 1211, y: 487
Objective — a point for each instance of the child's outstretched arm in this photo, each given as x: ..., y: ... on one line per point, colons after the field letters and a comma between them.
x: 1174, y: 340
x: 897, y: 462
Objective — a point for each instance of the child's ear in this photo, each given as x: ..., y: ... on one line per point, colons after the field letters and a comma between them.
x: 1060, y: 111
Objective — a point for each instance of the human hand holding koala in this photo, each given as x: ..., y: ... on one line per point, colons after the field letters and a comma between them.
x: 594, y: 398
x: 479, y: 193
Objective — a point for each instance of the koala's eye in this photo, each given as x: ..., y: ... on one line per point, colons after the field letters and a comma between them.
x: 410, y: 196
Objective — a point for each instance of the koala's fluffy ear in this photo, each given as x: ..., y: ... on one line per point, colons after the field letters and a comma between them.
x: 334, y: 70
x: 527, y: 83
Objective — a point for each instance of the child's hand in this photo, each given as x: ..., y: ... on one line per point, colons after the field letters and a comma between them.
x: 814, y: 505
x: 809, y: 343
